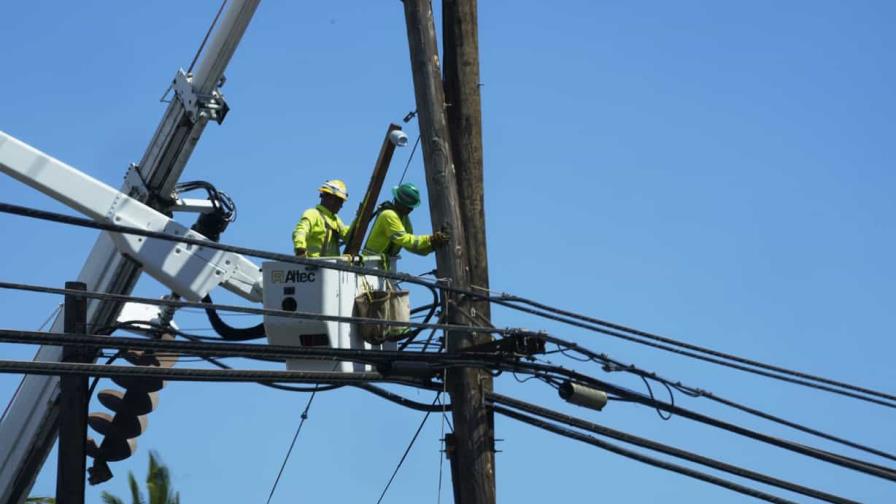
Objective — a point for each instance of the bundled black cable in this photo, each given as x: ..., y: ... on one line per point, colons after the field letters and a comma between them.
x: 653, y: 445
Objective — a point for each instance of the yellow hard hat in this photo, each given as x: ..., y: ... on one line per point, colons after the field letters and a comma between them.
x: 335, y: 187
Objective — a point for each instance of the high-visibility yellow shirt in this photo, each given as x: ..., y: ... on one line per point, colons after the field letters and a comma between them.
x: 391, y: 233
x: 319, y: 232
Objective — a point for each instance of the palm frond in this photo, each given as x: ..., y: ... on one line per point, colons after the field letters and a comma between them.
x: 136, y: 495
x: 110, y: 499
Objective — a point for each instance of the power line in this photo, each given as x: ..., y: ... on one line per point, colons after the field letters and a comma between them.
x: 708, y: 478
x: 410, y: 158
x: 508, y: 300
x: 613, y: 365
x: 184, y: 374
x: 115, y: 228
x: 385, y: 394
x: 841, y: 460
x: 247, y: 350
x: 797, y: 381
x: 303, y: 417
x: 403, y: 277
x: 504, y: 299
x: 666, y: 449
x: 406, y: 451
x: 340, y: 378
x: 254, y: 311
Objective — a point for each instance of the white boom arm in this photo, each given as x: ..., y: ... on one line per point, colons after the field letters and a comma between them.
x: 188, y: 270
x: 28, y: 428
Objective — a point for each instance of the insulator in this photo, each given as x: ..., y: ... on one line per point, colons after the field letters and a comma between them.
x: 583, y: 395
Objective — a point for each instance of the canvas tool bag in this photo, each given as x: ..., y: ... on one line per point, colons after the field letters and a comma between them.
x: 389, y: 304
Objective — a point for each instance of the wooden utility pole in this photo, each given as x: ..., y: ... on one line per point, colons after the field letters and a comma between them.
x: 460, y: 45
x: 461, y: 50
x: 71, y: 467
x: 473, y: 455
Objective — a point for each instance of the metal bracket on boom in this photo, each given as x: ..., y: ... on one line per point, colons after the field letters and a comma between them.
x: 134, y: 185
x: 201, y: 206
x: 196, y: 105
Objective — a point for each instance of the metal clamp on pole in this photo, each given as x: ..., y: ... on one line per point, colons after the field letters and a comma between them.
x: 522, y: 343
x: 212, y: 105
x: 582, y: 395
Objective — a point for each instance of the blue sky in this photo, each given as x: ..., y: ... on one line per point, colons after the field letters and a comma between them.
x: 717, y: 172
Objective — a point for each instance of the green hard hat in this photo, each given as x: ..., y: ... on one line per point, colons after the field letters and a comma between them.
x: 407, y: 195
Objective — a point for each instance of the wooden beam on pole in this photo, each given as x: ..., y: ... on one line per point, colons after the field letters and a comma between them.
x: 473, y: 459
x: 365, y: 209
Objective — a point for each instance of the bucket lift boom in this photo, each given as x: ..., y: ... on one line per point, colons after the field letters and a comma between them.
x: 29, y: 426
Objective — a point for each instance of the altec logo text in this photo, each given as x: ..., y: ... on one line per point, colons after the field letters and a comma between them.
x: 292, y: 276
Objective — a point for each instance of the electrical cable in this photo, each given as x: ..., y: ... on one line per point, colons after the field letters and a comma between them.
x: 503, y: 298
x: 267, y: 352
x: 506, y: 300
x: 697, y: 392
x: 833, y: 458
x: 207, y: 34
x: 246, y: 309
x: 411, y: 157
x: 51, y: 317
x: 701, y: 357
x: 289, y: 388
x: 694, y: 392
x: 431, y: 311
x: 405, y: 454
x: 659, y: 411
x: 708, y: 478
x: 304, y: 416
x: 662, y: 448
x: 228, y: 332
x: 732, y: 365
x: 397, y: 399
x: 191, y: 374
x: 34, y: 213
x: 96, y: 379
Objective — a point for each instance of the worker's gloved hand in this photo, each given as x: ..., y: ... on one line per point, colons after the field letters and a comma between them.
x: 300, y: 252
x: 439, y: 238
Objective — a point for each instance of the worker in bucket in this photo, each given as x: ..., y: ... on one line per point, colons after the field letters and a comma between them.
x: 320, y: 230
x: 392, y: 230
